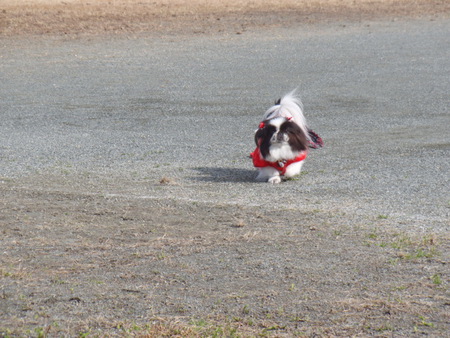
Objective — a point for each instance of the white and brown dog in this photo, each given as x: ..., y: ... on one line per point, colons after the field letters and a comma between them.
x: 282, y: 140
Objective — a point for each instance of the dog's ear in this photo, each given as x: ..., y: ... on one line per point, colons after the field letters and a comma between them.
x: 263, y: 136
x: 258, y: 135
x: 297, y: 138
x: 261, y: 132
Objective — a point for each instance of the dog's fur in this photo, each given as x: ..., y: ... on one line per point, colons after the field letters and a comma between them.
x: 282, y: 136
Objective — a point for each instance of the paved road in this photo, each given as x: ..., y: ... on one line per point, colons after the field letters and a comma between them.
x: 114, y: 116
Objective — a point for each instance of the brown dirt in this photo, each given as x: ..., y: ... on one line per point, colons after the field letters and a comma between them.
x: 74, y: 264
x: 89, y: 17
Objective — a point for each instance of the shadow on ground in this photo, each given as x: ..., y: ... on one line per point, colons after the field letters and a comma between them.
x: 220, y: 174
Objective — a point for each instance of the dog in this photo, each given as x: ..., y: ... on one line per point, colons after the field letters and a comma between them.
x: 282, y: 141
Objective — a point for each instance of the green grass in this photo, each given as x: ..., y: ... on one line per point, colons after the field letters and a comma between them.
x: 436, y: 278
x: 406, y: 247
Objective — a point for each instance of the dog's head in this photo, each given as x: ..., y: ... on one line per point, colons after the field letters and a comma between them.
x: 280, y: 139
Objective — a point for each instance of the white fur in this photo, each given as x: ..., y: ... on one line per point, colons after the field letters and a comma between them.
x: 279, y: 151
x: 290, y: 107
x: 272, y: 175
x: 294, y: 169
x: 268, y: 174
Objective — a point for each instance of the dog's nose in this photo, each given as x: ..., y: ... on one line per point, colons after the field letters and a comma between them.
x: 280, y: 137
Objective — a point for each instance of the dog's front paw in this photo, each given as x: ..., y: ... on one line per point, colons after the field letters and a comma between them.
x: 274, y: 180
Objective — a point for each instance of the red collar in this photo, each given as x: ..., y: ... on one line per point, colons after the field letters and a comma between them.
x: 281, y: 166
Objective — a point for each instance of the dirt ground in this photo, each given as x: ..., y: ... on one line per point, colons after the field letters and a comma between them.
x: 194, y: 17
x: 75, y: 264
x: 79, y: 265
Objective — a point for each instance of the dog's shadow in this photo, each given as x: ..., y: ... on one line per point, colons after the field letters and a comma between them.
x: 218, y: 174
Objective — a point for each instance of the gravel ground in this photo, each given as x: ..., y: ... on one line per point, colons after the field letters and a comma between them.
x: 186, y: 110
x: 129, y: 205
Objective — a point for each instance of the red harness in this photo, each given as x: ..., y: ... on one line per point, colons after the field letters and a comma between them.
x: 281, y: 166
